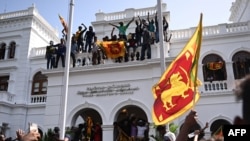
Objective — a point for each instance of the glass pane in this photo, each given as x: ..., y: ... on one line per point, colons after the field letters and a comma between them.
x: 36, y: 90
x: 36, y: 85
x: 44, y: 89
x: 45, y: 84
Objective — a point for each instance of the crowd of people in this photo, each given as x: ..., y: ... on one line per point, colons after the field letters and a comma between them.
x: 85, y: 41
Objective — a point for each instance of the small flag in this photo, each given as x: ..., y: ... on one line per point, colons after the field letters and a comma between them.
x: 64, y: 24
x: 175, y: 93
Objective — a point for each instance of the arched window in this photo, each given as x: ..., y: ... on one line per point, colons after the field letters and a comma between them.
x: 12, y: 50
x: 214, y: 68
x: 241, y: 64
x: 2, y: 50
x: 40, y: 83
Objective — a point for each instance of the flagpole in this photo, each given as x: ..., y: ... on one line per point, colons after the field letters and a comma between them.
x: 161, y: 44
x: 160, y: 25
x: 64, y: 97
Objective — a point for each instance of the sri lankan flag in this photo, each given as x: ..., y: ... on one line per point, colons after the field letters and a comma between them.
x: 64, y: 24
x: 113, y: 49
x: 176, y: 92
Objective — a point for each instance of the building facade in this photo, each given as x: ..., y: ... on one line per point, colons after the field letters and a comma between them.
x: 110, y: 92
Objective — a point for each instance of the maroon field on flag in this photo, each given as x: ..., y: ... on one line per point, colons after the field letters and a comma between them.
x: 176, y: 92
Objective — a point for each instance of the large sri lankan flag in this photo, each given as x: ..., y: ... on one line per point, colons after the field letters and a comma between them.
x: 176, y: 92
x: 113, y: 49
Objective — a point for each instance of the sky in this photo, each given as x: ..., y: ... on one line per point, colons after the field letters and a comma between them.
x: 183, y: 13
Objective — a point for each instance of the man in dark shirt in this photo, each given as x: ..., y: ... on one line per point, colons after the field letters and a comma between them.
x: 146, y: 43
x: 89, y: 36
x: 79, y: 37
x: 50, y: 55
x: 60, y: 53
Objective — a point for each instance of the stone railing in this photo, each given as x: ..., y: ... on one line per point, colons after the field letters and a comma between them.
x: 14, y: 14
x: 220, y: 29
x: 128, y: 13
x: 39, y: 51
x: 215, y: 86
x: 35, y: 99
x: 6, y: 97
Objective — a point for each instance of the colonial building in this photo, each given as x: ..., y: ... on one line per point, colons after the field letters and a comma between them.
x: 111, y: 91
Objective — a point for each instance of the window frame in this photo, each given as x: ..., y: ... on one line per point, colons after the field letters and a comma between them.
x: 39, y: 84
x: 4, y: 83
x: 210, y: 75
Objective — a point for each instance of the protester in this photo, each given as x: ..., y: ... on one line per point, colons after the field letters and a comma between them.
x: 60, y: 52
x: 50, y: 55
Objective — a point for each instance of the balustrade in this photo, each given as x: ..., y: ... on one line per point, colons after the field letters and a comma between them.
x: 38, y: 99
x: 128, y: 13
x: 215, y: 86
x: 6, y: 96
x: 221, y: 29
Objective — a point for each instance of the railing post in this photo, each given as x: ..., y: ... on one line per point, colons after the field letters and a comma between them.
x: 129, y: 12
x: 223, y: 29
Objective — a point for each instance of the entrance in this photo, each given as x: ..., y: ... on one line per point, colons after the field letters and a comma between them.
x: 128, y: 118
x: 88, y: 125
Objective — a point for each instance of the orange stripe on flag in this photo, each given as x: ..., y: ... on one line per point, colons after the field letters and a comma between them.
x: 176, y: 92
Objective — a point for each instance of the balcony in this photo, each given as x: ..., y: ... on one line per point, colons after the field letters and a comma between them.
x: 6, y: 97
x: 38, y: 99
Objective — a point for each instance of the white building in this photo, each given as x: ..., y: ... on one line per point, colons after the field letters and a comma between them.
x: 110, y: 91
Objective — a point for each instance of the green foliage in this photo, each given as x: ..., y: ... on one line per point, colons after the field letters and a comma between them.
x: 47, y: 135
x: 173, y: 127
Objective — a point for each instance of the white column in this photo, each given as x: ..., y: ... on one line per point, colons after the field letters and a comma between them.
x: 107, y: 131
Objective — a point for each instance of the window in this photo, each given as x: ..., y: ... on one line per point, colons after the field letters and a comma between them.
x: 12, y: 50
x: 214, y: 68
x: 241, y: 64
x: 2, y: 50
x: 40, y: 84
x: 4, y: 83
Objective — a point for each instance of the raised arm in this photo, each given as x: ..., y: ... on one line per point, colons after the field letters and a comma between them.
x: 156, y: 20
x: 148, y: 18
x: 85, y: 28
x: 188, y: 123
x: 114, y: 25
x: 130, y: 21
x: 112, y: 32
x: 139, y: 20
x: 206, y: 126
